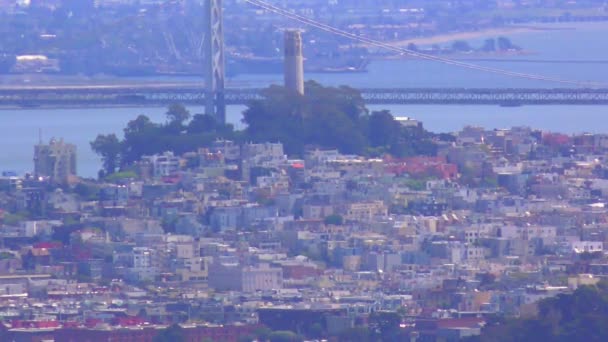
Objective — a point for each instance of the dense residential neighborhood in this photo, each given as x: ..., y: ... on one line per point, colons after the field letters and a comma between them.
x: 234, y: 237
x: 303, y: 211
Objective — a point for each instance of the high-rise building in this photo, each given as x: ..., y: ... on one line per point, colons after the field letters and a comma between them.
x: 294, y: 62
x: 57, y: 160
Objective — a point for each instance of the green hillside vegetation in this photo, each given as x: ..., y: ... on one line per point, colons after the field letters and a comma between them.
x: 326, y: 117
x: 581, y: 316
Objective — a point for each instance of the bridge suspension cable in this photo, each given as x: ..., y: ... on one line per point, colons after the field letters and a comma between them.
x: 321, y: 26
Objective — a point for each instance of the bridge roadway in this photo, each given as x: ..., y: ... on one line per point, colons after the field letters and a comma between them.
x: 192, y: 93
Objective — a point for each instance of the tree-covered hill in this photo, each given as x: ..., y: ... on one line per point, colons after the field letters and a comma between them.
x: 581, y: 316
x: 326, y: 117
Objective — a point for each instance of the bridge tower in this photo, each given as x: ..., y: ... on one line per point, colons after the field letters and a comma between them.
x: 215, y: 104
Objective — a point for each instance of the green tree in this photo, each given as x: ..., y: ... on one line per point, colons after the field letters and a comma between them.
x: 284, y: 336
x: 109, y: 148
x: 202, y: 123
x: 246, y: 338
x: 86, y: 191
x: 316, y: 331
x: 384, y: 130
x: 384, y: 325
x: 581, y: 316
x: 326, y: 117
x: 142, y: 137
x: 489, y: 45
x: 141, y: 124
x: 359, y: 334
x: 461, y: 45
x: 15, y: 218
x: 262, y: 333
x: 504, y: 44
x: 331, y: 128
x: 120, y: 176
x: 173, y: 333
x: 177, y: 113
x: 335, y: 220
x: 277, y: 118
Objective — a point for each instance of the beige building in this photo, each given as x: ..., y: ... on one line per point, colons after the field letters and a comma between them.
x: 234, y: 277
x: 57, y: 160
x: 365, y: 211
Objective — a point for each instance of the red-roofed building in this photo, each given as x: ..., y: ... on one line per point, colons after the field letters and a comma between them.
x: 556, y: 139
x: 422, y: 167
x: 48, y: 245
x: 18, y: 324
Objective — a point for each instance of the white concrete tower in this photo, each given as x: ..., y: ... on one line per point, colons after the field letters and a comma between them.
x: 294, y: 61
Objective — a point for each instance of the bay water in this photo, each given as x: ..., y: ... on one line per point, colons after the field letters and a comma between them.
x: 575, y: 45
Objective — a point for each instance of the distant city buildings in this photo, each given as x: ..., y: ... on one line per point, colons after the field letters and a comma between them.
x: 234, y: 277
x: 233, y: 237
x: 55, y: 160
x: 239, y: 234
x: 158, y: 166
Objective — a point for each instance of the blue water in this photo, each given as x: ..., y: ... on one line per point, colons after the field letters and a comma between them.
x: 567, y: 119
x: 19, y: 128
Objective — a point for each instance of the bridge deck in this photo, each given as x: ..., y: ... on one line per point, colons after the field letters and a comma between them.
x: 193, y: 93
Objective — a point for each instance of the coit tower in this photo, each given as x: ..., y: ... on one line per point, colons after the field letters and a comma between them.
x: 294, y: 62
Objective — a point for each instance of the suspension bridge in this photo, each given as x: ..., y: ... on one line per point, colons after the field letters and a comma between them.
x: 194, y: 94
x: 215, y: 95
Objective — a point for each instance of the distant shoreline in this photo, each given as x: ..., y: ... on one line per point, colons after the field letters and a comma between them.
x: 498, y: 31
x: 450, y: 37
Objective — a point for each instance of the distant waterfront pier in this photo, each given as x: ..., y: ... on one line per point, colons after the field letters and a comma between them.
x: 193, y: 94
